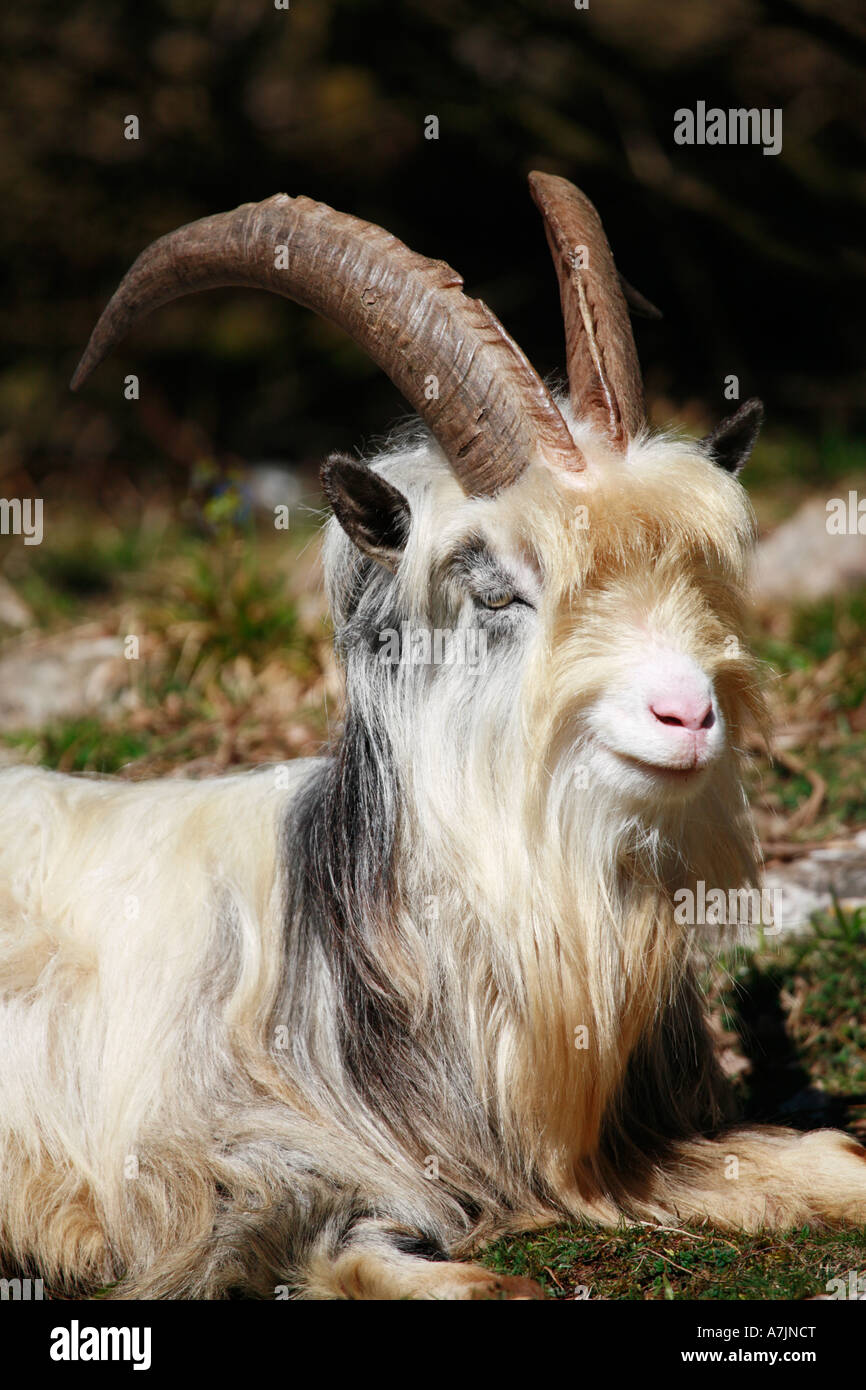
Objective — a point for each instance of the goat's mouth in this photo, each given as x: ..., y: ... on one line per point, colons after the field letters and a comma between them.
x: 664, y: 772
x: 664, y: 769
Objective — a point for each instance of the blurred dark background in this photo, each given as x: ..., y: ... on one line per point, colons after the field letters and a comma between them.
x: 757, y: 261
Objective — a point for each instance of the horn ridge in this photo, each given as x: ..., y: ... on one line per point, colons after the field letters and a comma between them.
x: 603, y: 369
x: 448, y: 354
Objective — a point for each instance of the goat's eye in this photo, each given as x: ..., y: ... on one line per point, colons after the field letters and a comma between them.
x: 501, y: 600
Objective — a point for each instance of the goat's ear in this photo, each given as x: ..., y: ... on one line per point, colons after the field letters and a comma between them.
x: 373, y: 513
x: 733, y: 440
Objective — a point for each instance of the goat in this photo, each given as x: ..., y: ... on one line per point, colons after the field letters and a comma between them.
x: 373, y: 1009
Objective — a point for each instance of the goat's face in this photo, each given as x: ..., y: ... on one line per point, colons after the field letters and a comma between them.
x: 583, y: 629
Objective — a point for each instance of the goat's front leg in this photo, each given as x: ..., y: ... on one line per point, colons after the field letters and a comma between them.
x: 753, y: 1178
x: 348, y: 1257
x: 377, y: 1260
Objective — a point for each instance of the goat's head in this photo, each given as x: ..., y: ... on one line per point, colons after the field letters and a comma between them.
x: 587, y: 576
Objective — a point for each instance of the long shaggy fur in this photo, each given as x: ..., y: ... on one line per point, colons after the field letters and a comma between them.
x: 314, y: 1026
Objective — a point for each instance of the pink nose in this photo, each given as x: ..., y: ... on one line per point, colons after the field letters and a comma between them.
x: 684, y: 710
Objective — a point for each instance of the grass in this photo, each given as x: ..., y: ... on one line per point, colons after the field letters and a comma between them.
x: 235, y: 660
x: 652, y: 1262
x: 815, y: 659
x: 799, y: 1011
x: 80, y: 745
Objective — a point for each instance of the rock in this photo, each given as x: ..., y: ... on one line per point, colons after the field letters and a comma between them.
x: 61, y: 677
x: 808, y: 884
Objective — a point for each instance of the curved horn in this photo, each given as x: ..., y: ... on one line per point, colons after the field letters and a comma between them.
x: 603, y: 371
x: 489, y: 410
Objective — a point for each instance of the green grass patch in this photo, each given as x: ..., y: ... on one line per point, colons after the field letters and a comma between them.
x: 815, y: 987
x: 239, y: 609
x: 812, y: 634
x: 217, y: 614
x: 816, y: 659
x: 82, y: 745
x: 645, y: 1262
